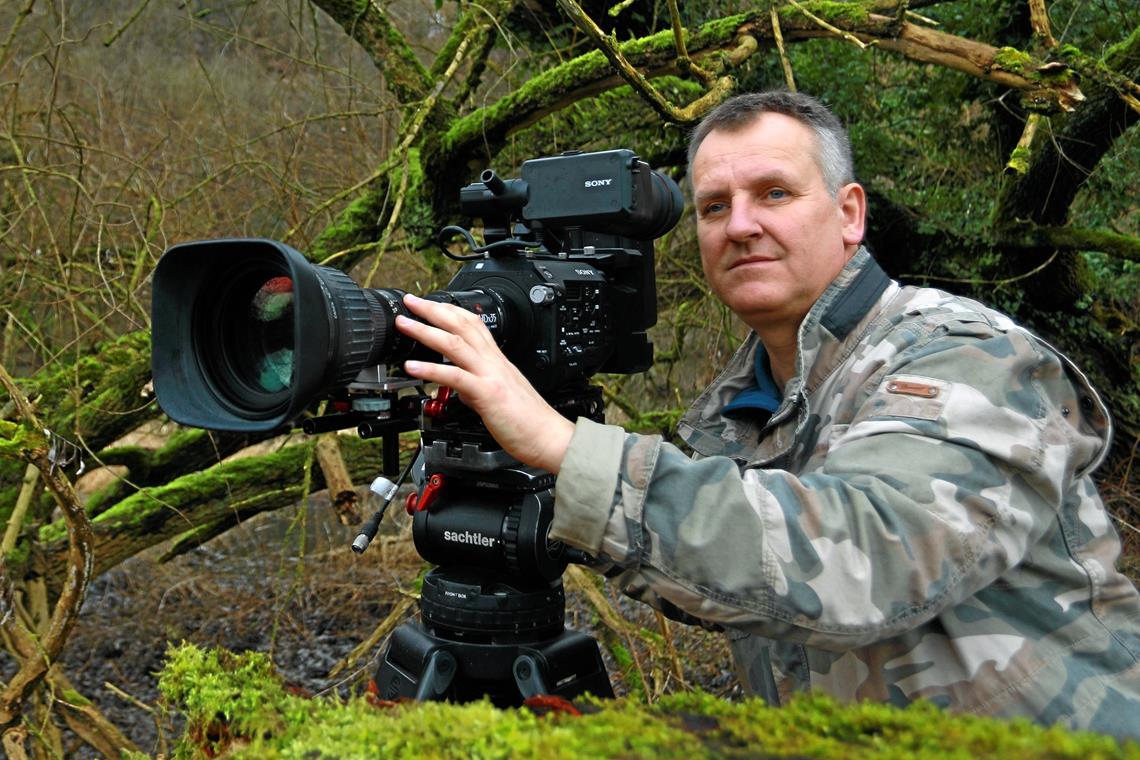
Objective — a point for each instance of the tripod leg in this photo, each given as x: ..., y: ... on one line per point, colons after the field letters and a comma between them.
x: 530, y: 676
x: 437, y: 676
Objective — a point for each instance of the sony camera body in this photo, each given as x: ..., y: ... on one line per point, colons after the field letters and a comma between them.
x: 247, y: 333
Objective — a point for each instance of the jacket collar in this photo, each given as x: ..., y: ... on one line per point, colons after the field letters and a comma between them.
x: 821, y: 346
x: 822, y: 341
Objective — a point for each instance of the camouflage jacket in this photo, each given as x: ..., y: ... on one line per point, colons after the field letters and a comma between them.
x: 915, y: 521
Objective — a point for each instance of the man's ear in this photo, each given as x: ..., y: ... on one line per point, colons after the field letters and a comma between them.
x: 853, y: 212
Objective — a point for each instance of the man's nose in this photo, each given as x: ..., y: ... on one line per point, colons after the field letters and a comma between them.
x: 743, y: 221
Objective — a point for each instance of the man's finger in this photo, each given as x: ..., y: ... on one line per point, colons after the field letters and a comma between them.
x: 454, y: 320
x: 444, y: 315
x: 452, y: 345
x: 441, y: 374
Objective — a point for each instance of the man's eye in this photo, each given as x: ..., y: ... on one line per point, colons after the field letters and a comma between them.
x: 777, y: 194
x: 714, y: 208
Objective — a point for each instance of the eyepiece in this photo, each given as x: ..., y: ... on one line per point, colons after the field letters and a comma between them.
x: 665, y: 202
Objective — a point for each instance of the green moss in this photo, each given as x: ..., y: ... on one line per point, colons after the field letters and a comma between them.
x: 545, y: 86
x: 627, y: 669
x: 18, y: 557
x: 1117, y: 56
x: 356, y: 224
x: 98, y: 394
x: 236, y: 704
x: 1014, y: 61
x: 418, y: 219
x: 15, y: 440
x: 721, y: 30
x: 53, y: 532
x: 1019, y: 160
x: 843, y: 14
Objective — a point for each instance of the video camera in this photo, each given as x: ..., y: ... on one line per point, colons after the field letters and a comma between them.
x: 247, y: 334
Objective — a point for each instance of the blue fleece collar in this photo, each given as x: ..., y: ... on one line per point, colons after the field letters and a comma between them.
x: 764, y: 395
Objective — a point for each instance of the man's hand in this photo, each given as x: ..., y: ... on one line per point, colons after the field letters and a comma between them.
x: 515, y: 414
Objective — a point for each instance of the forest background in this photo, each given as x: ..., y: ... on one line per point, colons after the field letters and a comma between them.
x: 995, y: 138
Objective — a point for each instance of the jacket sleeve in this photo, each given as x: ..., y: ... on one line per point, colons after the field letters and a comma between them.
x: 920, y: 501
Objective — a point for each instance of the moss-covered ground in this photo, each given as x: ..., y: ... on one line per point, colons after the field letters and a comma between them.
x: 237, y: 706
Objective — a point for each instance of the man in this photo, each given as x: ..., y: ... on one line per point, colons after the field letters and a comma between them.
x: 891, y: 498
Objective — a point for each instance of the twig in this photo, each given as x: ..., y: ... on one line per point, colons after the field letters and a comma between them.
x: 1018, y: 162
x: 610, y: 617
x: 399, y: 612
x: 404, y: 148
x: 128, y: 697
x: 156, y: 715
x: 699, y: 72
x: 1126, y: 524
x: 667, y: 634
x: 779, y: 35
x: 16, y: 519
x: 118, y: 32
x: 973, y: 281
x: 924, y: 19
x: 79, y: 566
x: 834, y: 30
x: 13, y: 32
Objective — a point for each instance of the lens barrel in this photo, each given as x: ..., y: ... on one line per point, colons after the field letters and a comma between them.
x: 247, y: 332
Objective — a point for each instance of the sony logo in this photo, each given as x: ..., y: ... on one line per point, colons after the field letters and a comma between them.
x: 468, y: 537
x: 599, y: 182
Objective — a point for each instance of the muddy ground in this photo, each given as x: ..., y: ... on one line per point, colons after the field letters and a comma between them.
x: 309, y: 603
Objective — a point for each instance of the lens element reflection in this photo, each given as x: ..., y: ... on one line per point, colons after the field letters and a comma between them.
x: 271, y: 312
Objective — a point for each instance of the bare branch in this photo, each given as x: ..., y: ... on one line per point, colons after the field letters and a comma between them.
x: 786, y: 64
x: 1039, y: 20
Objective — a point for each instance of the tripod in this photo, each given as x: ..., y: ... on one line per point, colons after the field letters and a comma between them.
x: 492, y: 614
x: 482, y: 635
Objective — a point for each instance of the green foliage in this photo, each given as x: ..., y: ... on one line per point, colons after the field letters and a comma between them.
x: 236, y: 703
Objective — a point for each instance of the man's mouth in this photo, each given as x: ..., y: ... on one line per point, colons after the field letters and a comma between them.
x: 746, y: 260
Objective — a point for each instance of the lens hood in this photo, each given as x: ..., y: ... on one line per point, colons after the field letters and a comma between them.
x: 216, y: 363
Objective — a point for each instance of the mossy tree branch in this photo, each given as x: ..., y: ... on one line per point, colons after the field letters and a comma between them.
x: 367, y: 22
x: 372, y: 215
x: 75, y: 569
x: 205, y: 503
x: 1061, y: 164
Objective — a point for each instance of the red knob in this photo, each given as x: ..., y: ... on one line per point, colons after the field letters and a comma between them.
x: 437, y: 406
x: 425, y: 498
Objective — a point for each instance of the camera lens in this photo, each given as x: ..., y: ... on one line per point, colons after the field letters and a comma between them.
x: 246, y: 338
x: 247, y: 332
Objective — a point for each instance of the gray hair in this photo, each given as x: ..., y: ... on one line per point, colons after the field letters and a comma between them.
x: 833, y: 147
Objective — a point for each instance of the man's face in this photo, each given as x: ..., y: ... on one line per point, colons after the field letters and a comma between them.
x: 771, y: 236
